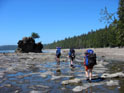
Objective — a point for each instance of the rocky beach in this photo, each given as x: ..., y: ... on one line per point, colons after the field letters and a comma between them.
x: 39, y: 72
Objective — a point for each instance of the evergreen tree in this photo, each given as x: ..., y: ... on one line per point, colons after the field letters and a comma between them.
x: 121, y: 23
x: 35, y: 35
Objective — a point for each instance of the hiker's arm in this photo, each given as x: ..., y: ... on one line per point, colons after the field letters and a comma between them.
x: 84, y: 60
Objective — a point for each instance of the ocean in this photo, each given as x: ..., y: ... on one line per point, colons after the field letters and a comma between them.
x: 12, y: 51
x: 7, y: 51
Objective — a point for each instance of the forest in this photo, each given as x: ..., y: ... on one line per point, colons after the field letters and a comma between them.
x: 110, y: 36
x: 8, y: 47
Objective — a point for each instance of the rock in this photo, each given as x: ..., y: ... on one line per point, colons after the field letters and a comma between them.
x: 112, y: 83
x: 115, y: 75
x: 45, y: 74
x: 72, y: 81
x: 35, y: 91
x: 86, y: 86
x: 1, y: 75
x: 78, y: 89
x: 27, y: 44
x: 55, y: 77
x: 17, y: 91
x: 41, y: 86
x: 7, y: 85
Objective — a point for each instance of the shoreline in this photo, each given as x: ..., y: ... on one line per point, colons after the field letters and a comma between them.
x: 114, y: 54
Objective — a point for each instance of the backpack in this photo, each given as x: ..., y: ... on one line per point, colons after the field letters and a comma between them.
x: 72, y: 53
x: 90, y: 58
x: 58, y: 51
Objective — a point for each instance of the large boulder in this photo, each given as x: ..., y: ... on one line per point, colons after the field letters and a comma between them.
x: 27, y: 44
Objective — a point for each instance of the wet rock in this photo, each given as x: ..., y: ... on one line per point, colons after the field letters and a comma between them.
x: 10, y: 71
x: 45, y: 74
x: 79, y: 88
x: 1, y: 74
x: 99, y: 70
x: 32, y: 87
x: 17, y: 91
x: 72, y: 81
x: 38, y: 86
x: 58, y: 77
x: 41, y: 86
x: 112, y: 83
x: 85, y: 86
x: 35, y: 91
x: 115, y: 75
x: 23, y: 76
x: 55, y: 77
x: 7, y: 85
x: 78, y: 60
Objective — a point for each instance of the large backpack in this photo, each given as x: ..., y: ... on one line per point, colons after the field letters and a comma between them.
x: 90, y: 58
x: 72, y: 53
x: 58, y: 51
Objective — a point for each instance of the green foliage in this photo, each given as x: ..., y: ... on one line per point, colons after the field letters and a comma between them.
x: 8, y: 47
x: 94, y: 39
x: 35, y: 35
x: 120, y: 32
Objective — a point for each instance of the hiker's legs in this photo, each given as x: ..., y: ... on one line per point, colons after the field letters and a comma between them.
x: 86, y: 72
x: 58, y: 60
x: 90, y: 73
x: 71, y: 61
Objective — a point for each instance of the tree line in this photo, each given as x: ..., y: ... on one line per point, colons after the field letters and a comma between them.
x: 8, y: 47
x: 110, y: 36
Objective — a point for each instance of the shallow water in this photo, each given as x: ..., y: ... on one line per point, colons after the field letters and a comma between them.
x: 7, y: 51
x: 47, y: 78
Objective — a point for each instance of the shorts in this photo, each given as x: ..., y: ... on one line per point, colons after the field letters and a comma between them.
x: 72, y: 58
x: 86, y: 67
x: 58, y: 56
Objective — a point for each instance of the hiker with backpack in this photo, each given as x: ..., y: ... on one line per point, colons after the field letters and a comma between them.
x: 89, y: 62
x: 58, y: 54
x: 71, y: 55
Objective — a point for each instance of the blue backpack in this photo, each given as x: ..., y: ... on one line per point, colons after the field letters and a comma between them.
x: 90, y: 58
x: 58, y: 51
x: 72, y: 53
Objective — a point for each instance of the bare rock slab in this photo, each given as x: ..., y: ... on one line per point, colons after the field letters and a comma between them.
x: 115, y: 75
x: 72, y: 81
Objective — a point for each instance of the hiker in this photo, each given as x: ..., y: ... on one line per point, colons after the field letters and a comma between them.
x: 71, y: 56
x: 89, y: 62
x: 58, y: 54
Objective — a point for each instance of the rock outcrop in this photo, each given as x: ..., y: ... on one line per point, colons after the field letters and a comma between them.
x: 27, y: 44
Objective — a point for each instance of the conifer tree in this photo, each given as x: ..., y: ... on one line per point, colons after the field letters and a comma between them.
x: 121, y: 23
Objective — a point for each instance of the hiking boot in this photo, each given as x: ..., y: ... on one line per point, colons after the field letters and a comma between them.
x: 90, y: 81
x: 87, y: 79
x: 72, y: 66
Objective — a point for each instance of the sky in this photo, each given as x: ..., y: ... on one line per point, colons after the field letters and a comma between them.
x: 52, y: 19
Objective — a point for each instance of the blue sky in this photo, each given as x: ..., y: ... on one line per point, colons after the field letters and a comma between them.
x: 51, y: 19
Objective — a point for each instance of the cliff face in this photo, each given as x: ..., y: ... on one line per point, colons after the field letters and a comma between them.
x: 27, y: 44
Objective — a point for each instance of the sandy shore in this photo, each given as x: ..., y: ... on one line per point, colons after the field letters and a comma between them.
x: 116, y: 54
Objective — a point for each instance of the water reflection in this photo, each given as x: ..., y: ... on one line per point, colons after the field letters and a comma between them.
x: 61, y: 72
x: 58, y: 72
x: 89, y: 90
